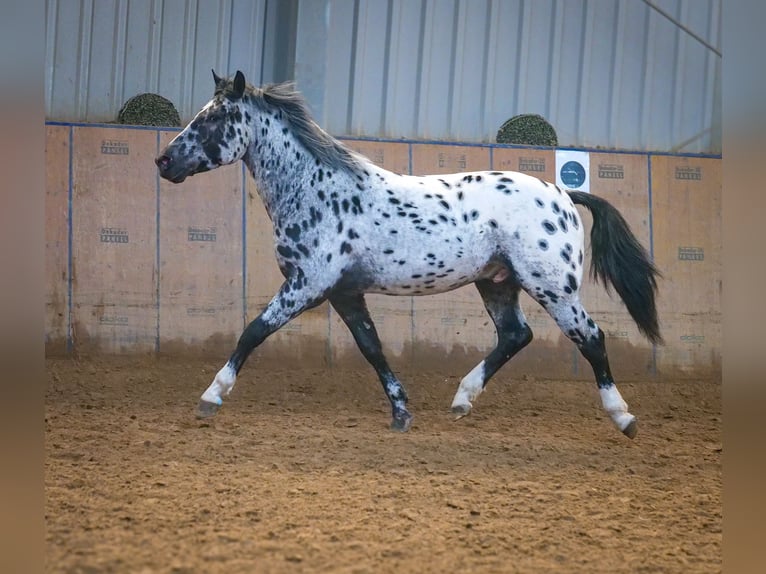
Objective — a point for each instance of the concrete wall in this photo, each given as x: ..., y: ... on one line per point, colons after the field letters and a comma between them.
x: 136, y: 264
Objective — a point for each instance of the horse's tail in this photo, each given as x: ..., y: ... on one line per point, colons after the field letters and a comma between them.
x: 618, y: 258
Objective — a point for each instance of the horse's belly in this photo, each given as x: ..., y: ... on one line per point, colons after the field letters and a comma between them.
x: 417, y: 288
x: 431, y: 276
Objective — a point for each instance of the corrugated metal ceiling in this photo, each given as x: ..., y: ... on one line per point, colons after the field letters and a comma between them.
x: 605, y: 73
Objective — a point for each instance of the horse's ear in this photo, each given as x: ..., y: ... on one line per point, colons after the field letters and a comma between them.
x: 219, y: 82
x: 239, y: 84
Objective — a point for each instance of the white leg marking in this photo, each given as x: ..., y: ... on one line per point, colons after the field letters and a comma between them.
x: 394, y: 389
x: 470, y: 387
x: 616, y: 407
x: 221, y: 385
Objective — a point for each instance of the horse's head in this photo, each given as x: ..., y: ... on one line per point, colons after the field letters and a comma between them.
x: 218, y: 134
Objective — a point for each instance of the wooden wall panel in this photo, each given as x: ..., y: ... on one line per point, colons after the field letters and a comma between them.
x: 430, y: 159
x: 114, y: 226
x: 686, y: 207
x: 56, y: 238
x: 393, y: 321
x: 535, y: 162
x: 201, y: 266
x: 451, y: 328
x: 693, y: 347
x: 135, y: 290
x: 686, y: 193
x: 392, y: 156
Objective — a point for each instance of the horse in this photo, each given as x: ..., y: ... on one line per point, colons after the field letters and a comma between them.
x: 344, y: 227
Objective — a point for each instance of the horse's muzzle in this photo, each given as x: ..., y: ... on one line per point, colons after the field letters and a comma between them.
x: 169, y: 169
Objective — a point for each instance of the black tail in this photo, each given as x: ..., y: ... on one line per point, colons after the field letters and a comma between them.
x: 618, y: 258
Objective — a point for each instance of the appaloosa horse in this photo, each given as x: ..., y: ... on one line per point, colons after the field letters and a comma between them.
x: 344, y: 227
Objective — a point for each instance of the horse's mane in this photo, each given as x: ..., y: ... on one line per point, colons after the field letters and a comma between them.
x: 318, y: 142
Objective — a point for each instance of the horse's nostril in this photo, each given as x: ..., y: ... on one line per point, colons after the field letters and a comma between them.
x: 162, y: 161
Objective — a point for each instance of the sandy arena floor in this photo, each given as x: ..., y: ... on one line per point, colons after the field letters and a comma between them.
x: 299, y: 473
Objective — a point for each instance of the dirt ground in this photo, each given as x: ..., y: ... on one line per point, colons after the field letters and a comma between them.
x: 299, y: 473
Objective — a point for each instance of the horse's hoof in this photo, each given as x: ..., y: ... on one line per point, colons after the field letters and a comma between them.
x: 631, y: 430
x: 401, y: 422
x: 461, y: 411
x: 206, y: 409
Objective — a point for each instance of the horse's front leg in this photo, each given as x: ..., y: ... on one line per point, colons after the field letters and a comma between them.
x: 291, y: 300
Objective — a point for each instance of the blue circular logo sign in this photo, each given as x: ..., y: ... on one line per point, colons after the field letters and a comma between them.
x: 572, y: 174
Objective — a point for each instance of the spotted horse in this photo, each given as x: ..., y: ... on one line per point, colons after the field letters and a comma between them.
x: 344, y: 227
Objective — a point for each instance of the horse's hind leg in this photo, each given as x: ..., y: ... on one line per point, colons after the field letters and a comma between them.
x: 576, y: 324
x: 513, y: 334
x: 353, y: 310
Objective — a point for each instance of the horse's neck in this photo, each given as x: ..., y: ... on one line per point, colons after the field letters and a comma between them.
x: 279, y: 164
x: 287, y: 175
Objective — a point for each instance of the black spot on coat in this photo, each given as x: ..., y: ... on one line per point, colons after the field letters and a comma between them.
x: 293, y: 231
